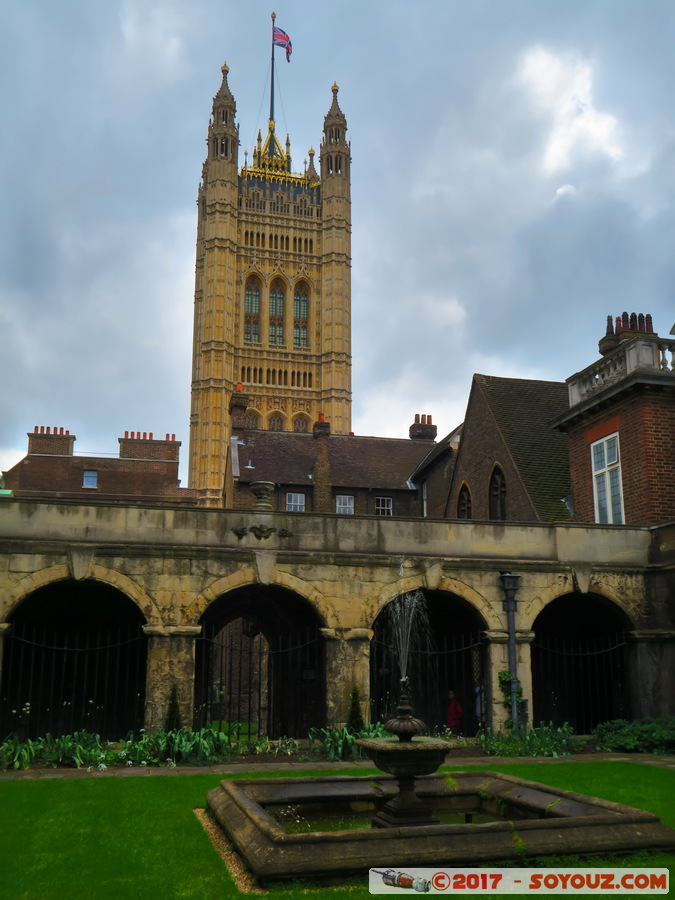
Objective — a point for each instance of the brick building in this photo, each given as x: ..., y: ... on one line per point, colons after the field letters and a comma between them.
x: 620, y: 423
x: 146, y: 470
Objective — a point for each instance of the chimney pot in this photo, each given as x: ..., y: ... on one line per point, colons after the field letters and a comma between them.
x: 641, y: 322
x: 428, y: 420
x: 166, y: 438
x: 417, y: 418
x: 150, y: 438
x: 648, y: 323
x: 173, y: 437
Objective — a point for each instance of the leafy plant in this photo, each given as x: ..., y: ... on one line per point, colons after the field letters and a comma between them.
x: 340, y: 743
x: 544, y: 740
x: 505, y: 681
x: 640, y: 736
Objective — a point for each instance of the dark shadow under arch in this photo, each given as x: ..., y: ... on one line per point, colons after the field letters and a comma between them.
x: 260, y: 663
x: 74, y: 659
x: 448, y: 655
x: 580, y: 662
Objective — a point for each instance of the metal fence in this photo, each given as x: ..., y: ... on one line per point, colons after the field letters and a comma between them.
x: 580, y: 680
x: 452, y: 662
x: 63, y: 681
x: 269, y: 686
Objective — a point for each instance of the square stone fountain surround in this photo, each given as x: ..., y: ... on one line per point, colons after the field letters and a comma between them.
x: 537, y: 820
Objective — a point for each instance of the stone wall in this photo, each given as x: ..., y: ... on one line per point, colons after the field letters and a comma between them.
x: 174, y: 563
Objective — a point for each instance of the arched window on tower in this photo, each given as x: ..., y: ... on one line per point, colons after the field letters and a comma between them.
x: 464, y: 503
x: 252, y: 311
x: 300, y: 314
x: 497, y: 495
x: 277, y: 312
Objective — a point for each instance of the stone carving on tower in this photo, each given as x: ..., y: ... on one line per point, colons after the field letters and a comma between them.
x: 272, y: 289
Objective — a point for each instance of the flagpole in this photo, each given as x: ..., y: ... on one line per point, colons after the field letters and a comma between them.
x: 274, y: 15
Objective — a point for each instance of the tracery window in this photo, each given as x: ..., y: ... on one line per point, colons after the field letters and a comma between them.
x: 252, y: 311
x: 464, y: 503
x: 276, y: 332
x: 497, y: 495
x: 300, y: 424
x: 276, y: 423
x: 300, y: 314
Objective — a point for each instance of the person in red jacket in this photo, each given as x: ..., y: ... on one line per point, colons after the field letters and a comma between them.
x: 455, y: 716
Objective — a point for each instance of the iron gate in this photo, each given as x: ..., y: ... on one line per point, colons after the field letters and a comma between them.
x: 580, y: 680
x: 63, y: 681
x: 272, y: 687
x: 456, y: 662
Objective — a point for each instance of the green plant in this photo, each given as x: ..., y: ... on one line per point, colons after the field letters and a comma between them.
x: 340, y: 743
x: 173, y: 720
x: 355, y: 716
x: 640, y: 736
x: 544, y: 740
x: 505, y: 681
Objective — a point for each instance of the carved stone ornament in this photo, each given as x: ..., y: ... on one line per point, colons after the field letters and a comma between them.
x: 262, y: 532
x: 284, y: 532
x: 240, y: 532
x: 262, y: 491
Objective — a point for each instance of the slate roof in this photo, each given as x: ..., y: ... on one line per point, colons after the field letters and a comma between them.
x: 359, y: 462
x: 523, y: 411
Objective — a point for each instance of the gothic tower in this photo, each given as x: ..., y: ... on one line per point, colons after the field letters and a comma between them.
x: 272, y: 289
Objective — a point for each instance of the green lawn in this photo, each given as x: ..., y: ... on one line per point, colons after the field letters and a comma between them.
x: 129, y: 838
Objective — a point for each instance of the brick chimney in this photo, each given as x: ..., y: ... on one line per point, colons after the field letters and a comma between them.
x: 625, y: 327
x: 142, y: 445
x: 321, y: 427
x: 238, y: 406
x: 321, y: 471
x: 50, y: 442
x: 422, y: 430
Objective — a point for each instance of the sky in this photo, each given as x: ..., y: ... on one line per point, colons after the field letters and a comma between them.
x: 513, y: 183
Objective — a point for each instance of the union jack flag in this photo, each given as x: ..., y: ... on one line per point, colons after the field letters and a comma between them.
x: 281, y: 39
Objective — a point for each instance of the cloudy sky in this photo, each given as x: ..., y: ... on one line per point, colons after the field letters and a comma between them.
x: 513, y: 183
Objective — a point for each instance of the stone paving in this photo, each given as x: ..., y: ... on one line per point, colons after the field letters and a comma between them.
x: 274, y: 765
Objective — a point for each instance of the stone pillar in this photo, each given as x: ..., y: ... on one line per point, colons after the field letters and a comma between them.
x: 347, y: 667
x: 497, y: 660
x: 651, y: 673
x: 171, y: 660
x: 524, y: 644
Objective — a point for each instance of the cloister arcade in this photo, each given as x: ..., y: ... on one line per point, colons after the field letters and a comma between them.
x: 275, y: 631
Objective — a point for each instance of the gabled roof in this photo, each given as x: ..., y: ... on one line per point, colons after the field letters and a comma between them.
x: 359, y: 462
x: 523, y: 411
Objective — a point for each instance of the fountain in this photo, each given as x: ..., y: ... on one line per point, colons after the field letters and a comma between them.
x: 418, y: 818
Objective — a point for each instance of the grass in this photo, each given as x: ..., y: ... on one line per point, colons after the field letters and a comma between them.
x: 101, y: 837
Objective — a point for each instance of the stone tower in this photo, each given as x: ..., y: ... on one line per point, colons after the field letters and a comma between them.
x: 272, y: 289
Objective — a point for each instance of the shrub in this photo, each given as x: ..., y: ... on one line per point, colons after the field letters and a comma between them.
x: 544, y: 740
x: 340, y: 743
x: 640, y: 736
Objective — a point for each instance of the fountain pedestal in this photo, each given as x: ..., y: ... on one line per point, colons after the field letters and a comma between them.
x: 405, y: 760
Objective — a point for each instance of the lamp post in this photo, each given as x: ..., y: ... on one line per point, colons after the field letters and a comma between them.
x: 510, y: 588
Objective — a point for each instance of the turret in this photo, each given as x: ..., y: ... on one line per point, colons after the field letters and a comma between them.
x: 335, y: 152
x: 223, y: 139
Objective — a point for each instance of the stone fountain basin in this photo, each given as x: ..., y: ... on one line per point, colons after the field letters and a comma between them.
x: 537, y: 821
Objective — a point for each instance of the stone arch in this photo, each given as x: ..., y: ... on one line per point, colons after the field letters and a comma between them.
x: 565, y: 585
x: 54, y: 574
x: 449, y: 652
x: 249, y: 576
x: 75, y: 656
x: 260, y: 658
x: 580, y: 657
